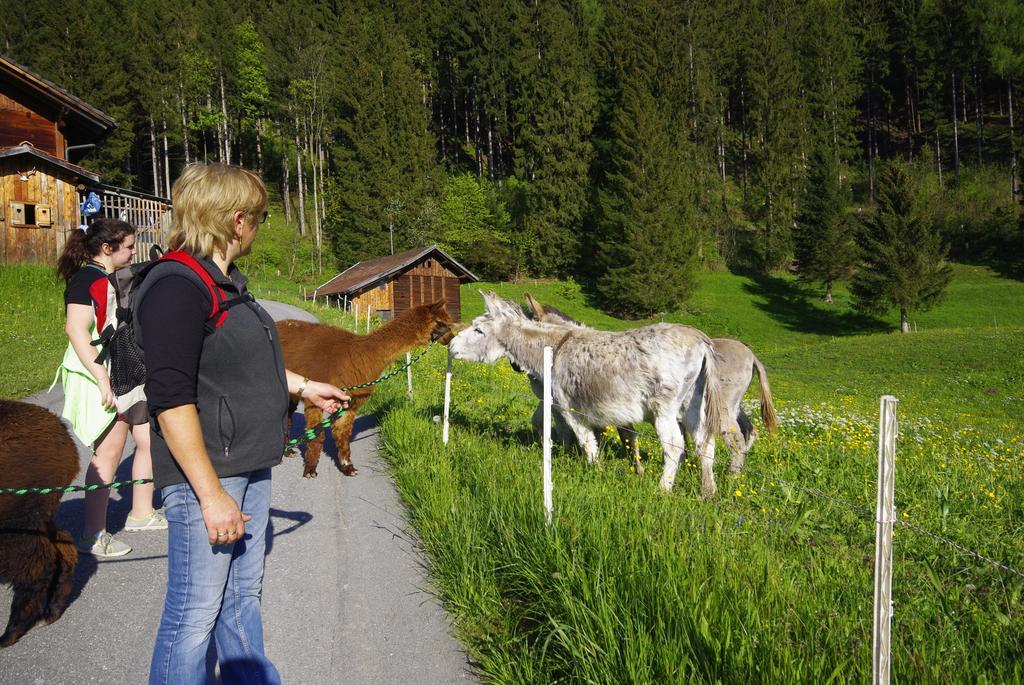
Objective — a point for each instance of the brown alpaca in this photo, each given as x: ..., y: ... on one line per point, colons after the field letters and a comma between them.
x: 341, y: 357
x: 36, y: 557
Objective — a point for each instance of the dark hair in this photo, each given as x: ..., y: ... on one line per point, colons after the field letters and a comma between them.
x: 81, y: 246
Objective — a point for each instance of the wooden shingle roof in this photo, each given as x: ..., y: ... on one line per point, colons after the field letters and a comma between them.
x: 82, y: 121
x: 372, y: 272
x: 37, y: 155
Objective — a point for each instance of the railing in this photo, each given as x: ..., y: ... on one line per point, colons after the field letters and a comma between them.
x: 149, y: 214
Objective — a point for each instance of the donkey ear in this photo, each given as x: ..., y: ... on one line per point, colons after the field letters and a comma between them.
x: 535, y: 306
x: 488, y: 301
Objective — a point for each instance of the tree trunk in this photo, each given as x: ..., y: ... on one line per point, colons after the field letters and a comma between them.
x: 286, y: 193
x: 259, y: 146
x: 300, y: 184
x: 321, y: 158
x: 956, y: 137
x: 743, y: 144
x: 979, y: 113
x: 1013, y: 143
x: 220, y: 134
x: 938, y: 154
x: 904, y: 323
x: 167, y: 164
x: 227, y: 130
x: 153, y: 155
x: 184, y: 127
x: 871, y: 133
x: 910, y: 121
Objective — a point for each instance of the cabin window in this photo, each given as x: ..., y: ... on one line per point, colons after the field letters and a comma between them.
x: 26, y: 214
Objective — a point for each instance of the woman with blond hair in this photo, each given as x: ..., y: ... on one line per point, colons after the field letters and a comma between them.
x: 89, y: 256
x: 218, y: 394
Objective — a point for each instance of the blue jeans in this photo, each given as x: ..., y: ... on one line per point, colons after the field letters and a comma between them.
x: 214, y: 591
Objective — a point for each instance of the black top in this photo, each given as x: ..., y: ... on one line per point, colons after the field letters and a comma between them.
x: 174, y: 303
x: 234, y: 375
x: 78, y: 288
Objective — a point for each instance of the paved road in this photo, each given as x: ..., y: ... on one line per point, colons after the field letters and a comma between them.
x: 346, y: 597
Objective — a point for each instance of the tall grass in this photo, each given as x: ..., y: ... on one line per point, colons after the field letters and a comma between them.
x: 32, y: 340
x: 772, y: 580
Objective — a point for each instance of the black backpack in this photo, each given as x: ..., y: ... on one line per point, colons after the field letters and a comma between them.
x: 117, y: 336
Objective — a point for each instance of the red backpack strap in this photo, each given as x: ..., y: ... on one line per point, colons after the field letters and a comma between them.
x: 217, y: 294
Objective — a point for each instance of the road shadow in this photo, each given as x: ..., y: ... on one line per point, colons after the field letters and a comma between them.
x: 790, y: 304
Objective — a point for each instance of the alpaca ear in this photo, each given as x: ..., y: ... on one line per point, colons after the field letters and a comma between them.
x: 439, y: 307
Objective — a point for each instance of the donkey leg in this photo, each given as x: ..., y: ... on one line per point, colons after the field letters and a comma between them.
x: 672, y: 444
x: 315, y: 446
x: 342, y: 432
x: 61, y: 589
x: 584, y: 435
x: 38, y: 565
x: 739, y: 452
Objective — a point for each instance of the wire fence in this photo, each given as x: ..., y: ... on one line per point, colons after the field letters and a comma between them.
x: 858, y: 509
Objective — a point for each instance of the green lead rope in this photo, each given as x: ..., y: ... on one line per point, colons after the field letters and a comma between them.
x: 308, y: 434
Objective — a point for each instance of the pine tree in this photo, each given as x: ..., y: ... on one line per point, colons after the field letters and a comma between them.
x: 554, y: 151
x: 647, y: 245
x: 823, y: 236
x: 385, y: 169
x: 902, y: 258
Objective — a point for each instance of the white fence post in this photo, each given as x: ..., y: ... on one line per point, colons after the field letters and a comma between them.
x: 408, y: 372
x: 355, y: 317
x: 369, y: 310
x: 547, y: 432
x: 447, y: 400
x: 885, y: 515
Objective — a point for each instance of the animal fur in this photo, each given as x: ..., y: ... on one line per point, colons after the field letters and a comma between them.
x: 665, y: 373
x: 334, y: 355
x: 736, y: 365
x: 36, y: 557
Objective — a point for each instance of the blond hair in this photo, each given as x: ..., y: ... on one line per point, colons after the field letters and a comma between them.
x: 205, y: 198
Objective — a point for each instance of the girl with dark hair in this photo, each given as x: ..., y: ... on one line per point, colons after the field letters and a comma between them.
x: 90, y: 255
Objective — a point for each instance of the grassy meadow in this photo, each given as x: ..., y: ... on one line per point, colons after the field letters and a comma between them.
x: 771, y: 581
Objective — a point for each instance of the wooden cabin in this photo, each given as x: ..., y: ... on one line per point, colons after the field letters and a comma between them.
x: 38, y: 203
x: 390, y: 285
x: 42, y: 129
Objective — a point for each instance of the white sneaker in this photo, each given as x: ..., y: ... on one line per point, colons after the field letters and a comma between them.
x: 103, y: 544
x: 154, y: 521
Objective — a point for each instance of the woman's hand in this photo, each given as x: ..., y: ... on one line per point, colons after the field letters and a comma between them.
x: 225, y: 522
x: 106, y: 392
x: 325, y: 396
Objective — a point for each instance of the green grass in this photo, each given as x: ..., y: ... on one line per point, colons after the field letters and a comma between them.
x: 772, y: 580
x: 32, y: 340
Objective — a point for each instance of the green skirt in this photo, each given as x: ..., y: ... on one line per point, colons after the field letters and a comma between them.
x: 83, y: 403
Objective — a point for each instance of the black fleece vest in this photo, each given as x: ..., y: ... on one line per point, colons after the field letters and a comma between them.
x: 241, y: 388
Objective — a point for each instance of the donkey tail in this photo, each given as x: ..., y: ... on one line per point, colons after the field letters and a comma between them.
x: 714, y: 402
x: 771, y: 419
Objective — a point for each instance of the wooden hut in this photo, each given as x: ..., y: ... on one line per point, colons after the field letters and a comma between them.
x: 42, y: 129
x: 390, y: 285
x: 38, y: 203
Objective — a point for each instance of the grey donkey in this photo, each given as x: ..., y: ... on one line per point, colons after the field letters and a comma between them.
x: 737, y: 364
x: 666, y: 374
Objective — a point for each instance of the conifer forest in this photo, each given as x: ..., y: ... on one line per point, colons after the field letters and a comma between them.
x: 630, y: 145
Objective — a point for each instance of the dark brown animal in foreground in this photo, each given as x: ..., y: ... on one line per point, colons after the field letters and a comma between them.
x: 36, y: 557
x: 337, y: 356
